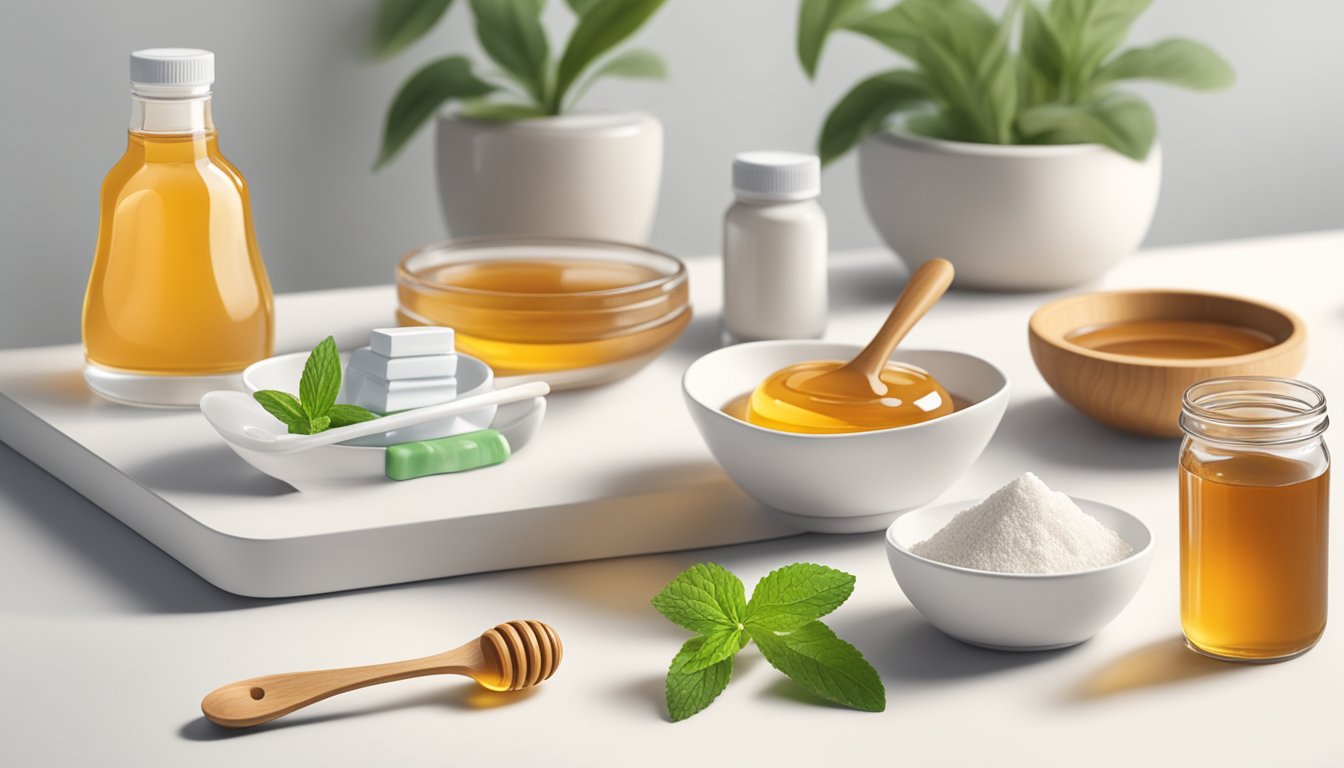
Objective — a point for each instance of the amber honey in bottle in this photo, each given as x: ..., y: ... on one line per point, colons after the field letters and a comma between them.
x: 178, y: 302
x: 1254, y: 497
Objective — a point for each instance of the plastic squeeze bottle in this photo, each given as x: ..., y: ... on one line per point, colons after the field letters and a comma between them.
x: 774, y: 249
x: 178, y: 302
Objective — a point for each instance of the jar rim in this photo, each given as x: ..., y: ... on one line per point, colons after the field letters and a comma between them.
x: 1258, y: 410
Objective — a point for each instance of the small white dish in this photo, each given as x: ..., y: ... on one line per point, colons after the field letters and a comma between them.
x: 334, y: 464
x: 473, y: 377
x: 846, y: 483
x: 1017, y: 612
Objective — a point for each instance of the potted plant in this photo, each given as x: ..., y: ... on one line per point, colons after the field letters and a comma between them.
x: 1022, y: 164
x: 511, y: 155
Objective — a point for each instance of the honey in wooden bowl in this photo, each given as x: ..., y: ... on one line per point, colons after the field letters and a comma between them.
x: 1125, y: 357
x: 1173, y: 339
x: 544, y: 306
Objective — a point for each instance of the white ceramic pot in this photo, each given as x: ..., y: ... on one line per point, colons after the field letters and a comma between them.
x: 587, y: 175
x: 1010, y: 218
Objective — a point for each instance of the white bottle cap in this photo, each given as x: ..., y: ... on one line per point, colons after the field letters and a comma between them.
x: 776, y: 176
x: 172, y: 71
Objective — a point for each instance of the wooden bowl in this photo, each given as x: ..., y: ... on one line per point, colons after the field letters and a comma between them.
x: 1143, y: 394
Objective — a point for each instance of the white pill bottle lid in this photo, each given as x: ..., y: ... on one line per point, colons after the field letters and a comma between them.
x: 776, y: 177
x: 172, y: 72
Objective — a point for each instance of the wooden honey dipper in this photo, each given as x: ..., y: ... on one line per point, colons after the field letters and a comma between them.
x: 508, y: 657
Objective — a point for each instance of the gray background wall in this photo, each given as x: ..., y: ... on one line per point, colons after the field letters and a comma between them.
x: 299, y: 105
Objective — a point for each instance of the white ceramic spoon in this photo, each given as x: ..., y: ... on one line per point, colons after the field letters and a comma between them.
x: 267, y: 441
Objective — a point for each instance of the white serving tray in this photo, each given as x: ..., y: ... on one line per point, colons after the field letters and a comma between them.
x: 615, y: 470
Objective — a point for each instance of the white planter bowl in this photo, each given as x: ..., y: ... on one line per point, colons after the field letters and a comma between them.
x: 1017, y: 612
x: 585, y: 175
x: 1011, y: 218
x: 845, y: 483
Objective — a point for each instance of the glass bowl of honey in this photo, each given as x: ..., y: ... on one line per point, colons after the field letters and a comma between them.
x: 573, y: 313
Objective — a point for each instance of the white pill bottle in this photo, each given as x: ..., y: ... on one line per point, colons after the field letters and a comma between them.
x: 774, y: 249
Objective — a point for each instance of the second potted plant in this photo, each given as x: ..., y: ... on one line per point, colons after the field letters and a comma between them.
x: 510, y: 155
x: 1025, y: 167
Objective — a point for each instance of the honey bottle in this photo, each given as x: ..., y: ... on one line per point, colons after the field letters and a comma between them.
x: 178, y: 302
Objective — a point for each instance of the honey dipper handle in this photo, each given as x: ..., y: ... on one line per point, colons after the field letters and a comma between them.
x: 927, y: 284
x: 262, y: 699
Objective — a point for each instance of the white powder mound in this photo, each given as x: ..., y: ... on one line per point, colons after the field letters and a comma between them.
x: 1024, y: 527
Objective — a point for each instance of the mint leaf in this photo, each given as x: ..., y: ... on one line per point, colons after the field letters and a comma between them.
x: 345, y: 415
x: 691, y: 690
x: 717, y: 645
x: 703, y: 598
x: 816, y: 659
x: 281, y: 405
x: 796, y: 594
x: 309, y: 426
x: 321, y: 380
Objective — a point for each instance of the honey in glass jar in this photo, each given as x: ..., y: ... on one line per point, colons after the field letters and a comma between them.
x: 1254, y: 497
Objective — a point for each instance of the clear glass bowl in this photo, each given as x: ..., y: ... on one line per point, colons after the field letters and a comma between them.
x: 570, y: 312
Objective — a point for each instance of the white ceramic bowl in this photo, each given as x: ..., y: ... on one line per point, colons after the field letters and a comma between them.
x: 473, y: 377
x: 1017, y: 612
x: 233, y: 414
x: 1016, y: 218
x: 846, y: 483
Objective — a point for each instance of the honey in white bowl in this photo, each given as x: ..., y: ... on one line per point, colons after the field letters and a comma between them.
x: 860, y: 411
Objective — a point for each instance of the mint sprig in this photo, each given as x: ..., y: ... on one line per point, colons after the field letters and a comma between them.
x: 782, y: 618
x: 315, y: 409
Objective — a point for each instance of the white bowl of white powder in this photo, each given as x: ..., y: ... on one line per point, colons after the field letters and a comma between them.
x: 1026, y: 569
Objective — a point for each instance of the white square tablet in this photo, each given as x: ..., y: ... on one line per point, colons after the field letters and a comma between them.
x: 407, y: 342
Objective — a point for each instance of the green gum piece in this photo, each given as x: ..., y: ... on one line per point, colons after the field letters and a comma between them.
x: 458, y: 453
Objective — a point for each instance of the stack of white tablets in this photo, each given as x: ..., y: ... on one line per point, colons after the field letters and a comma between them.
x: 403, y: 368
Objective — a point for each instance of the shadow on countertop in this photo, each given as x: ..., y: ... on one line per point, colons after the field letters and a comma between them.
x: 132, y: 573
x: 1160, y: 663
x: 906, y: 649
x: 1052, y: 431
x: 458, y: 695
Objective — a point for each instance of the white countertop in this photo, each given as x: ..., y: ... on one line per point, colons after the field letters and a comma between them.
x: 110, y: 644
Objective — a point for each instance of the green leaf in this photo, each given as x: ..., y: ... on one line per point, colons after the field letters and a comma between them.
x: 309, y: 426
x: 402, y: 22
x: 1178, y: 61
x: 580, y: 7
x: 634, y: 64
x: 866, y: 107
x: 1041, y: 64
x: 816, y: 20
x: 795, y: 595
x: 1120, y: 121
x: 703, y: 598
x: 281, y: 405
x: 1090, y: 31
x: 816, y: 659
x: 602, y: 27
x: 422, y: 95
x: 894, y: 27
x: 501, y: 112
x: 689, y: 691
x: 321, y: 380
x: 719, y: 644
x: 510, y: 31
x: 342, y: 415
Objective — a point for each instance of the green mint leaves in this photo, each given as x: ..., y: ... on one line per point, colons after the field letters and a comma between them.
x: 315, y: 409
x: 782, y: 617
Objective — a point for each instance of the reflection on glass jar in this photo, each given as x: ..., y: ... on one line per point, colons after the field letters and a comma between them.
x: 1254, y: 489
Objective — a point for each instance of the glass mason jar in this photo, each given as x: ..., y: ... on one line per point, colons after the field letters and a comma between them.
x: 1254, y: 489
